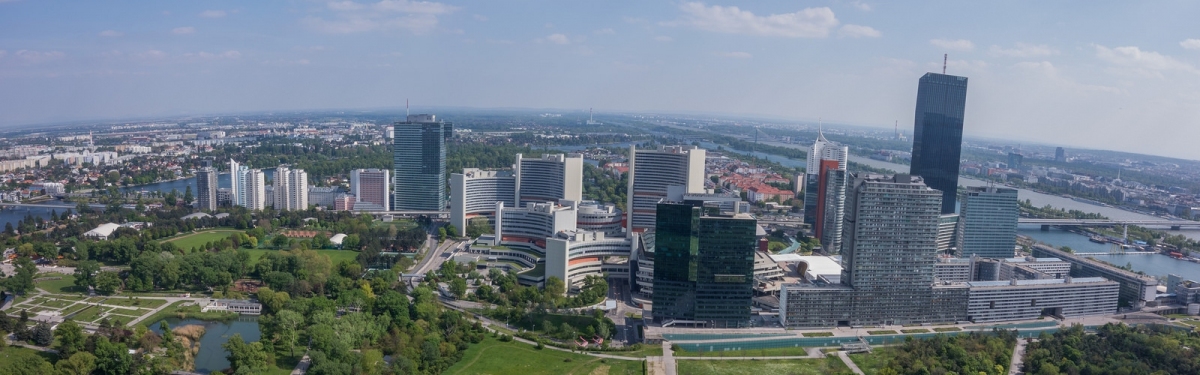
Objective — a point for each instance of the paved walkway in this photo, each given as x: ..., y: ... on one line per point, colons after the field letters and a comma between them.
x: 1018, y: 357
x: 846, y: 359
x: 668, y: 358
x: 302, y: 367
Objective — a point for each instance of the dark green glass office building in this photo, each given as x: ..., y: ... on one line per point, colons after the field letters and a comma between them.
x: 937, y: 134
x: 703, y: 266
x: 419, y: 156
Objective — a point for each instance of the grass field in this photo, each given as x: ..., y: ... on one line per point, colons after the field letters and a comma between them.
x: 947, y: 329
x: 828, y: 365
x: 818, y: 334
x: 871, y: 363
x: 513, y: 358
x: 64, y: 286
x: 915, y: 330
x: 335, y: 256
x: 11, y: 354
x: 767, y: 352
x: 188, y: 241
x: 134, y: 302
x: 882, y: 332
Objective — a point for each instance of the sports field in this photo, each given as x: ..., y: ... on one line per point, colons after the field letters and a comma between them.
x: 188, y: 241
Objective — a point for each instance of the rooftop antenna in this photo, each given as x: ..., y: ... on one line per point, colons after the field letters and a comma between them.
x: 945, y: 58
x: 589, y: 115
x: 406, y: 109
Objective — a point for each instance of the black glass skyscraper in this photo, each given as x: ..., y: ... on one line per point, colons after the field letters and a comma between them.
x: 703, y: 266
x: 937, y: 134
x: 419, y: 154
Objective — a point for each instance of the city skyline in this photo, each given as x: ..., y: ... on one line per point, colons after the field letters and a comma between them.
x: 1071, y: 73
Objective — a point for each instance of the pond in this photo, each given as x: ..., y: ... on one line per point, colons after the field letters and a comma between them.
x: 212, y: 356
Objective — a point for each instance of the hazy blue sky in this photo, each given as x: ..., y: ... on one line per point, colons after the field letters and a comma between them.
x: 1115, y: 75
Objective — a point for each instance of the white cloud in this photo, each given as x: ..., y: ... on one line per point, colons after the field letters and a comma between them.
x: 954, y: 45
x: 212, y: 14
x: 183, y: 30
x: 1134, y: 57
x: 111, y: 33
x: 859, y: 31
x: 556, y: 39
x: 1048, y: 70
x: 735, y: 55
x: 480, y: 17
x: 606, y: 31
x: 663, y: 38
x: 416, y: 17
x: 35, y: 57
x: 230, y: 54
x: 1190, y: 44
x: 151, y: 54
x: 861, y: 6
x: 807, y: 23
x: 1023, y: 50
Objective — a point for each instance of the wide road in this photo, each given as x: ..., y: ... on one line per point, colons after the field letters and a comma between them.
x: 434, y: 257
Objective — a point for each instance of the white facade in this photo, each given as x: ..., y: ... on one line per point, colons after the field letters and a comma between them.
x: 237, y: 183
x: 551, y: 178
x: 291, y: 189
x: 652, y: 173
x: 995, y: 301
x: 474, y: 193
x: 571, y: 256
x: 370, y: 187
x: 256, y: 194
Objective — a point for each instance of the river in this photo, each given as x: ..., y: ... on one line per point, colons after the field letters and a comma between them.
x: 1151, y: 264
x: 212, y: 356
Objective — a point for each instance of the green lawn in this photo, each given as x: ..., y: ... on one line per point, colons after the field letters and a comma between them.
x: 947, y: 329
x: 818, y: 334
x: 915, y: 330
x: 92, y: 313
x: 335, y: 256
x: 828, y: 365
x: 145, y: 303
x: 767, y: 352
x: 871, y: 363
x: 188, y: 241
x: 64, y: 286
x: 10, y: 355
x: 882, y: 332
x: 514, y: 358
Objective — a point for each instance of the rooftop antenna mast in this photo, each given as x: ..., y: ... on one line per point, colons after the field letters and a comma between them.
x: 405, y: 109
x: 589, y: 115
x: 945, y: 58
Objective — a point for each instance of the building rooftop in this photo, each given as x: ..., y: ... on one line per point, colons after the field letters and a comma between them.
x: 1077, y: 280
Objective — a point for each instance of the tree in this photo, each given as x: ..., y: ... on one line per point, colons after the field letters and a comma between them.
x: 555, y: 288
x: 22, y: 281
x: 458, y: 286
x: 247, y: 358
x: 319, y: 241
x: 188, y: 197
x: 279, y: 241
x: 441, y: 233
x: 289, y: 324
x: 71, y: 338
x: 170, y: 200
x: 272, y: 300
x: 108, y: 282
x: 82, y: 363
x: 452, y: 230
x: 41, y: 335
x: 351, y: 242
x: 112, y: 358
x: 26, y: 363
x: 85, y: 273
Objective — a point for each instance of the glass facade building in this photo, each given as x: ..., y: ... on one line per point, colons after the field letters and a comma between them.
x: 988, y: 222
x: 703, y: 266
x: 419, y: 150
x: 937, y: 134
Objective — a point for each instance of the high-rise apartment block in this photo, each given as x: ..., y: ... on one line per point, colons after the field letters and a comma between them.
x: 255, y: 189
x: 656, y: 173
x: 237, y: 183
x: 419, y: 150
x: 937, y: 134
x: 825, y: 193
x: 290, y: 189
x: 988, y: 222
x: 206, y: 189
x: 1060, y: 155
x: 370, y: 188
x: 549, y: 178
x: 703, y: 266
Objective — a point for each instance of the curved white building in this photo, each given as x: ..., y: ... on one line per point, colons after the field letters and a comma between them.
x: 474, y: 193
x: 598, y: 217
x: 573, y: 255
x: 528, y: 227
x: 550, y: 178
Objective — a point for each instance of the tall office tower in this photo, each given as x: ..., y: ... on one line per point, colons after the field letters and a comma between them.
x: 1060, y: 155
x: 549, y: 178
x: 474, y: 193
x: 206, y: 189
x: 889, y: 247
x: 989, y: 222
x: 237, y: 183
x: 822, y: 156
x: 937, y: 134
x: 256, y: 185
x: 655, y: 173
x: 419, y: 151
x: 832, y: 209
x: 1015, y: 160
x: 703, y: 266
x: 370, y: 187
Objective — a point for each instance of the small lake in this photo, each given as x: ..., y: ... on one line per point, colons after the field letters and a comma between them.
x: 212, y: 356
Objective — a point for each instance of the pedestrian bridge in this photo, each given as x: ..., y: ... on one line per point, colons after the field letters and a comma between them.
x: 1173, y: 224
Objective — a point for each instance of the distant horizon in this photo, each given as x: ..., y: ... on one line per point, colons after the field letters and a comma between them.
x: 432, y: 109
